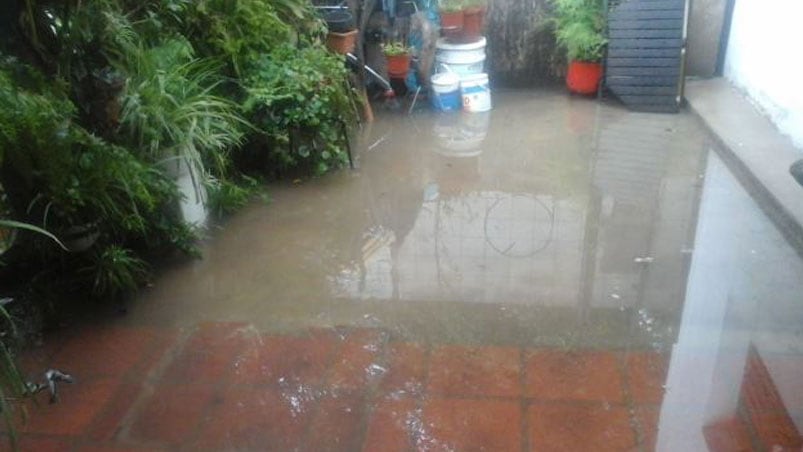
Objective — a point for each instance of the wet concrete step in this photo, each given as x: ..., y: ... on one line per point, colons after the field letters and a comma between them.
x: 758, y: 153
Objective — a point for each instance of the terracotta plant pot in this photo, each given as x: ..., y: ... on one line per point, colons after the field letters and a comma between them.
x: 398, y: 65
x: 452, y: 20
x: 583, y: 77
x: 341, y: 43
x: 473, y: 20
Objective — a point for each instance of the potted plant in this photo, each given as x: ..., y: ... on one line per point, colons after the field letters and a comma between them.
x: 579, y: 28
x: 473, y: 18
x: 397, y: 56
x: 342, y: 33
x: 451, y: 12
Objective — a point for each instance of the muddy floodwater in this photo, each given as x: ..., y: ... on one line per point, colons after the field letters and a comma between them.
x: 549, y: 220
x: 556, y: 274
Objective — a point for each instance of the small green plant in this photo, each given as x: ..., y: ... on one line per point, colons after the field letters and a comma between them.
x: 579, y: 28
x: 300, y: 101
x: 225, y: 197
x: 475, y: 4
x: 395, y: 48
x: 116, y: 271
x: 451, y: 6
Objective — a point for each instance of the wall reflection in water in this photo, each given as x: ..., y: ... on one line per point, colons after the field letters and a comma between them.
x: 737, y: 367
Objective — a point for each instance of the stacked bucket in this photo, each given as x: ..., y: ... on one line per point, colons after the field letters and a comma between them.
x: 460, y: 81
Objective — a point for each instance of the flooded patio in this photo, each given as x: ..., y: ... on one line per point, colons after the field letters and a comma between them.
x: 555, y: 275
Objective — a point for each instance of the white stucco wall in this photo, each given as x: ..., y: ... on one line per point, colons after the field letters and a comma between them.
x: 765, y: 59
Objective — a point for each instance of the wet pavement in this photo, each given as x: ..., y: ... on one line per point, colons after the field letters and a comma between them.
x: 557, y: 274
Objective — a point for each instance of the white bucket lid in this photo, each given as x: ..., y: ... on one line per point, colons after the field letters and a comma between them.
x: 445, y: 78
x: 443, y: 44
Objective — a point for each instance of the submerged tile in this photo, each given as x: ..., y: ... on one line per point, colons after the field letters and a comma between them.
x: 554, y: 374
x: 337, y: 424
x: 646, y: 376
x: 253, y: 418
x: 463, y: 424
x: 406, y: 366
x: 279, y: 359
x: 579, y: 426
x: 171, y: 414
x: 475, y: 371
x: 393, y: 426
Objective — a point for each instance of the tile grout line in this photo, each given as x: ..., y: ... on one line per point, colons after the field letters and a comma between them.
x: 629, y: 402
x: 148, y: 385
x: 220, y: 387
x: 341, y: 335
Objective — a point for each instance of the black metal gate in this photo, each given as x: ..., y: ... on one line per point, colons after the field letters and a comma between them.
x: 646, y: 49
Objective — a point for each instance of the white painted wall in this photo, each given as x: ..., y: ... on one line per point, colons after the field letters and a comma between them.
x: 765, y: 59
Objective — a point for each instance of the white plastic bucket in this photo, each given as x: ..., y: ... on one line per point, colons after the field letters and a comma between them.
x: 448, y: 53
x: 445, y: 83
x: 462, y: 59
x: 475, y: 92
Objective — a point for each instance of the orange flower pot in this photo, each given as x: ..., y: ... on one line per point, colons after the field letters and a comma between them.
x: 583, y: 77
x: 452, y: 20
x: 473, y: 20
x: 398, y: 65
x: 341, y: 43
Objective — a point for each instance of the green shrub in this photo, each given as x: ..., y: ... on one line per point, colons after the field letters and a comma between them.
x: 579, y: 27
x: 300, y: 100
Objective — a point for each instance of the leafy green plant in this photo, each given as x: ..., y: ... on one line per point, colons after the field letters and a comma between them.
x: 474, y: 4
x: 579, y: 28
x: 12, y: 383
x: 300, y: 101
x: 395, y: 48
x: 169, y: 108
x: 451, y: 6
x: 115, y: 271
x: 225, y: 196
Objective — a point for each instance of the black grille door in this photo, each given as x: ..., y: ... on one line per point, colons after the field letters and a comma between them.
x: 646, y: 49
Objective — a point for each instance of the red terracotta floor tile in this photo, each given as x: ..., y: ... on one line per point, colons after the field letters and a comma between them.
x: 406, y: 369
x: 392, y: 425
x: 461, y: 424
x: 108, y: 422
x: 211, y: 353
x: 35, y: 360
x: 488, y: 371
x: 109, y: 448
x: 727, y: 435
x: 171, y: 413
x: 576, y: 427
x: 336, y: 425
x: 78, y: 405
x: 106, y: 351
x: 288, y: 359
x: 646, y: 375
x: 356, y: 363
x: 560, y: 375
x: 34, y: 444
x: 254, y: 418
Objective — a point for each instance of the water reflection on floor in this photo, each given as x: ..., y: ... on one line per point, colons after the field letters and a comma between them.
x: 549, y: 220
x: 598, y: 275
